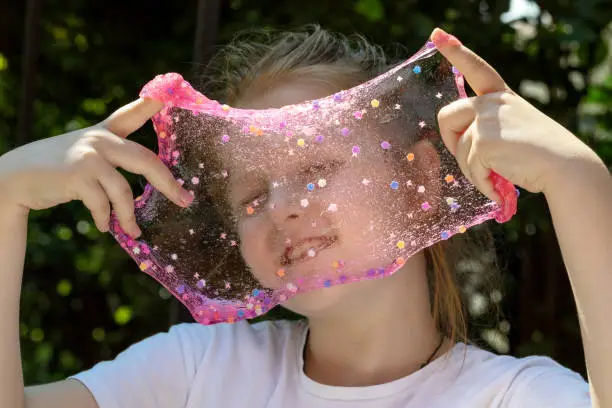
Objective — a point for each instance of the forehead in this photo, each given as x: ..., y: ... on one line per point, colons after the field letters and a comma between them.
x: 285, y: 93
x: 315, y: 138
x: 280, y: 152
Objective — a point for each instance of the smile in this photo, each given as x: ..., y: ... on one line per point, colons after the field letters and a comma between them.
x: 306, y: 249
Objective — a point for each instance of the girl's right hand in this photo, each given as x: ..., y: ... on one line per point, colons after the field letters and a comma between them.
x: 81, y: 165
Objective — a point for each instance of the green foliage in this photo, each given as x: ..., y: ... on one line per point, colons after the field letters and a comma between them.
x: 84, y: 301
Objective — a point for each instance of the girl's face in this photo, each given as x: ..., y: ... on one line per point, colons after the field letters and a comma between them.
x: 316, y: 210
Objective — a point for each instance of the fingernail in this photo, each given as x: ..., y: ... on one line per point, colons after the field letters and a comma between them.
x: 441, y: 37
x: 186, y: 198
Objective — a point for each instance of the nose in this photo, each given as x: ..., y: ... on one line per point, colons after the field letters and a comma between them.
x: 285, y: 205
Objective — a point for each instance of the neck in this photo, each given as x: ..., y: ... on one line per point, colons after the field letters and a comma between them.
x: 376, y: 342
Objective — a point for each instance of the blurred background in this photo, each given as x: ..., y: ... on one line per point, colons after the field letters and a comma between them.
x: 67, y: 64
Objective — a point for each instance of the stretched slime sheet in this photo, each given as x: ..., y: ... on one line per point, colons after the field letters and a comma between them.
x: 326, y: 192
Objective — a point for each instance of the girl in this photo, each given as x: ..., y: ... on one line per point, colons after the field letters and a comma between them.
x: 349, y: 352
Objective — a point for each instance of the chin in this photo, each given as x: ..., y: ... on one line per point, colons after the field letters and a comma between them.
x: 325, y: 301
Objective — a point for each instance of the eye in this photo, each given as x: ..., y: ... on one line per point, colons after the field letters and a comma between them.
x: 253, y: 204
x: 323, y: 167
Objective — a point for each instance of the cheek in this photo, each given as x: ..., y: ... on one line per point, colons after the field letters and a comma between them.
x: 376, y: 213
x: 255, y: 248
x: 252, y: 233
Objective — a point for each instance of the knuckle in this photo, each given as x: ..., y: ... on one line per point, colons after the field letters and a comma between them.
x: 149, y: 157
x: 102, y: 208
x: 125, y: 190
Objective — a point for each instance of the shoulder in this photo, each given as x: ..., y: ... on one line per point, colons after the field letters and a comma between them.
x: 535, y: 381
x: 160, y: 370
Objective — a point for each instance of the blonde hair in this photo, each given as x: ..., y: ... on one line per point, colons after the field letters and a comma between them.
x: 256, y: 59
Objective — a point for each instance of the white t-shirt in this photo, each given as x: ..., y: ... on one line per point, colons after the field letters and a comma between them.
x: 256, y: 366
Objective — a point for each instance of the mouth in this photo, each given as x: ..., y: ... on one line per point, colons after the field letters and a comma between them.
x: 306, y: 249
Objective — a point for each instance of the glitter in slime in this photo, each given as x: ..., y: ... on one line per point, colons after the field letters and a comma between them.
x: 195, y: 253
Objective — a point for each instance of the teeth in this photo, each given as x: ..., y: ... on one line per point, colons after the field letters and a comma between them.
x: 297, y: 253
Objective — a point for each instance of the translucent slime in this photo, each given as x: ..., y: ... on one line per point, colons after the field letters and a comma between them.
x: 307, y: 196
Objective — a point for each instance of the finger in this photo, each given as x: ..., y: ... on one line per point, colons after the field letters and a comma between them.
x: 454, y: 119
x: 464, y: 145
x: 481, y: 176
x: 481, y: 76
x: 120, y: 194
x: 131, y: 117
x: 95, y: 199
x: 137, y: 159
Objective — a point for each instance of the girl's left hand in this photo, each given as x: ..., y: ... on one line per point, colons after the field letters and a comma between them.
x: 500, y: 131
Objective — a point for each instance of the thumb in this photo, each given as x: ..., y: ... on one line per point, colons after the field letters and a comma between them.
x: 132, y: 116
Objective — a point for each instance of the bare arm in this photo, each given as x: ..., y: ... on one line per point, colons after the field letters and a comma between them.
x: 13, y: 231
x: 581, y: 206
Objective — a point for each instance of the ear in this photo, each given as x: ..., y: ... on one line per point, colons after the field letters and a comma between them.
x: 424, y: 174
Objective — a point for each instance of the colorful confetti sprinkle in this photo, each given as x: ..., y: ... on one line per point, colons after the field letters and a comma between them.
x: 322, y: 183
x: 449, y: 178
x: 345, y: 131
x: 385, y: 145
x: 300, y: 142
x: 304, y: 202
x: 394, y: 185
x: 421, y: 189
x: 425, y: 206
x: 375, y: 103
x: 280, y: 273
x: 225, y: 138
x: 416, y: 69
x: 401, y: 244
x: 358, y: 115
x: 410, y: 157
x: 310, y: 186
x: 356, y: 150
x: 332, y: 208
x: 195, y: 180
